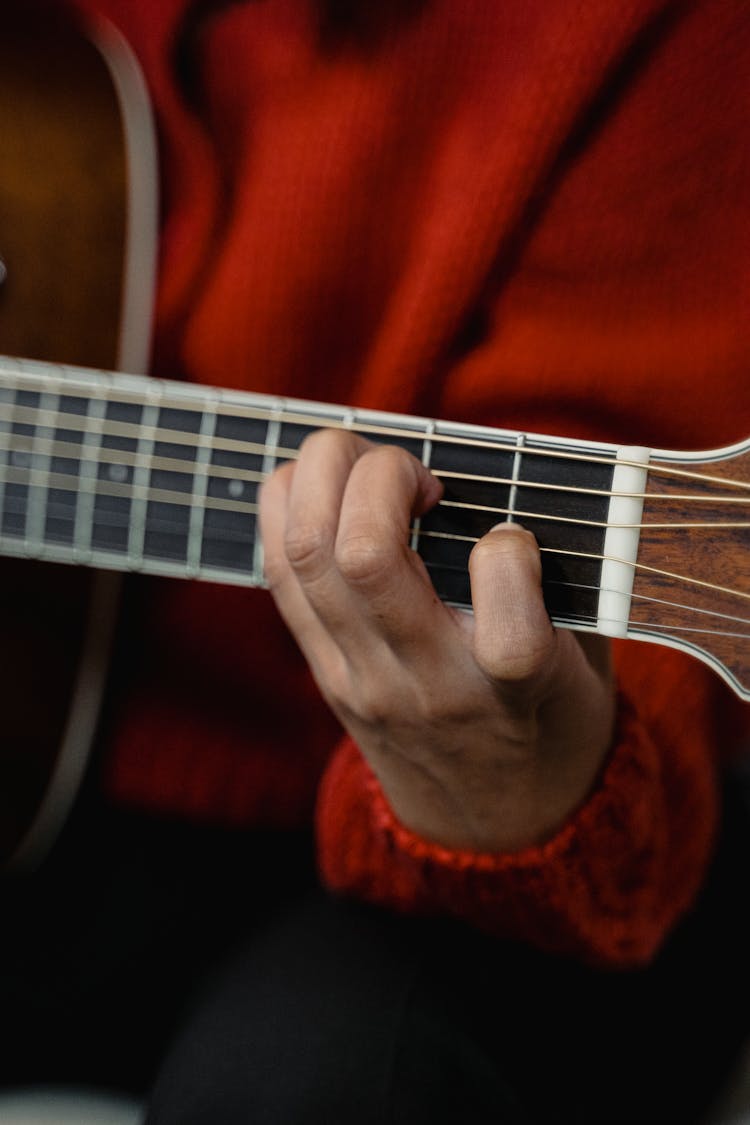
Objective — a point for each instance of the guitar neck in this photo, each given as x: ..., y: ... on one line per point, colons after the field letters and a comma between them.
x: 122, y: 472
x: 128, y: 473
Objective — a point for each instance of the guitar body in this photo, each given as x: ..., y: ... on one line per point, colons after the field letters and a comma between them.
x: 64, y: 235
x: 62, y: 194
x: 635, y: 543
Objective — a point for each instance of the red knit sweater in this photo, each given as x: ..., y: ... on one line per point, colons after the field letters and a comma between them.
x: 532, y: 214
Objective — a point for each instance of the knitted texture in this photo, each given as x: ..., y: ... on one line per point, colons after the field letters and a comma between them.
x: 532, y: 214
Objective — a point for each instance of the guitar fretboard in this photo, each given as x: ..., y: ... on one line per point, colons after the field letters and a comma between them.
x: 120, y: 471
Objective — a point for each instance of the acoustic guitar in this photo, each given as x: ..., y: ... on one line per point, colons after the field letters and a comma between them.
x: 123, y: 473
x: 77, y: 263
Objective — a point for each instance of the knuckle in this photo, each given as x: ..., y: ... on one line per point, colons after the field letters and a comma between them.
x: 513, y: 656
x: 354, y: 701
x: 364, y: 559
x: 307, y: 548
x: 396, y: 464
x: 391, y: 464
x: 335, y: 681
x: 391, y: 455
x: 332, y: 441
x: 368, y: 708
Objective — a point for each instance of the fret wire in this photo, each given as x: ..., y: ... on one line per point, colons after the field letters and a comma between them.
x: 603, y: 558
x: 515, y: 474
x: 146, y: 492
x: 41, y: 460
x: 111, y: 560
x: 123, y: 429
x: 601, y: 492
x: 674, y: 525
x: 61, y: 482
x: 6, y: 426
x: 300, y: 418
x: 102, y: 557
x: 83, y: 524
x: 22, y: 443
x: 582, y: 618
x: 142, y: 478
x: 426, y: 458
x: 203, y: 470
x: 71, y: 450
x: 252, y: 509
x: 292, y: 417
x: 565, y: 584
x: 270, y: 455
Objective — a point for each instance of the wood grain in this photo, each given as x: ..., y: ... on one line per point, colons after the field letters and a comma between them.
x: 61, y: 194
x: 62, y: 208
x: 698, y: 614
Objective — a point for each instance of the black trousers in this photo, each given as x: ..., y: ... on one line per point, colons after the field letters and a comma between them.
x: 284, y: 1005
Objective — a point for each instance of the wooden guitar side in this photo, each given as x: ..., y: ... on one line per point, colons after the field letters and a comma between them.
x: 71, y: 114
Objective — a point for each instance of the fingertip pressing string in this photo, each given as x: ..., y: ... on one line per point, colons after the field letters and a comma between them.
x: 25, y: 447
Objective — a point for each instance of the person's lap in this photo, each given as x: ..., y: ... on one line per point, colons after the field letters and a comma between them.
x: 336, y: 1012
x: 307, y: 1009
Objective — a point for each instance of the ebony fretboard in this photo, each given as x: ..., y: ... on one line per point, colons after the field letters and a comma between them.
x: 132, y: 473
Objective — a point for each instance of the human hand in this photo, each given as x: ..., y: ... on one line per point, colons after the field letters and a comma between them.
x: 484, y: 731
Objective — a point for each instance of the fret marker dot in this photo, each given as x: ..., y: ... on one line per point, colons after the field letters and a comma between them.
x: 117, y: 473
x: 235, y: 488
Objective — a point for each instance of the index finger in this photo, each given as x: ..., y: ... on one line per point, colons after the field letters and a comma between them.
x: 386, y: 490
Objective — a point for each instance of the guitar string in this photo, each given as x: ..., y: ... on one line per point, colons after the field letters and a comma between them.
x: 179, y: 499
x: 71, y: 451
x: 164, y: 525
x: 26, y: 444
x: 590, y: 619
x: 660, y: 628
x: 652, y: 599
x: 27, y: 475
x: 687, y: 579
x: 24, y: 475
x: 650, y: 525
x: 15, y: 413
x: 646, y: 598
x: 661, y: 601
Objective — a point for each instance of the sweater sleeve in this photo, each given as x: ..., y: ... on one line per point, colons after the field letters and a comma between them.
x: 607, y: 887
